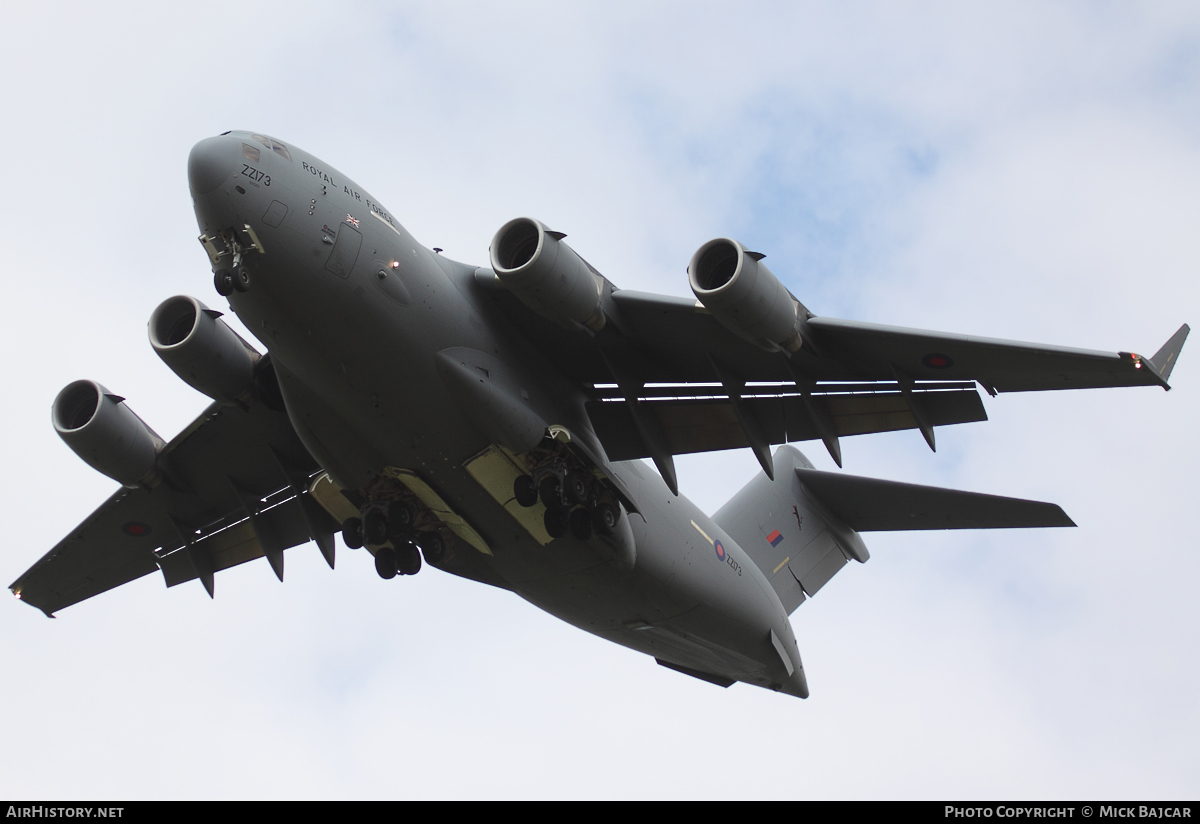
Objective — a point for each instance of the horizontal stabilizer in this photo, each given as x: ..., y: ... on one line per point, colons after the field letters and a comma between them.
x: 1164, y: 360
x: 874, y: 505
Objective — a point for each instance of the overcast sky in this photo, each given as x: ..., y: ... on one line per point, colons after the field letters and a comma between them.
x: 1021, y: 170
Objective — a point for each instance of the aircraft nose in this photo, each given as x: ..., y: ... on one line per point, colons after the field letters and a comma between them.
x: 211, y: 161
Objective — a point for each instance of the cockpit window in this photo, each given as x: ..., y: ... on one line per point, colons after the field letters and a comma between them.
x: 249, y: 152
x: 273, y: 145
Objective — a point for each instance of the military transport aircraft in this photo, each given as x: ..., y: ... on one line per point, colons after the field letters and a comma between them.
x: 491, y: 421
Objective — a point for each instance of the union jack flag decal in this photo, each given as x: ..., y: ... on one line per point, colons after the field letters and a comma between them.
x: 352, y: 221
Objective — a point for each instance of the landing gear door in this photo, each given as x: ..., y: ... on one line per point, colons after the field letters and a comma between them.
x: 345, y: 250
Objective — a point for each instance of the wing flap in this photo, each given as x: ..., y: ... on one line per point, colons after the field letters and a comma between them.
x: 710, y: 424
x: 238, y: 543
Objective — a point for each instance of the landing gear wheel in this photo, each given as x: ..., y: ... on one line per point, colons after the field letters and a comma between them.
x: 385, y: 563
x: 408, y: 559
x: 524, y: 491
x: 605, y: 518
x: 375, y: 527
x: 577, y: 486
x: 581, y: 523
x: 555, y: 522
x: 223, y: 282
x: 241, y: 279
x: 433, y: 547
x: 352, y: 533
x: 400, y: 516
x: 550, y: 492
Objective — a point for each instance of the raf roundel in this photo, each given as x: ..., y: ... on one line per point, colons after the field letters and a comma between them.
x: 720, y: 550
x: 936, y: 361
x: 135, y: 529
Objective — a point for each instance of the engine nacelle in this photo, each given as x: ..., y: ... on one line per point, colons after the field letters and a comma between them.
x: 106, y: 433
x: 202, y: 349
x: 742, y: 294
x: 546, y: 274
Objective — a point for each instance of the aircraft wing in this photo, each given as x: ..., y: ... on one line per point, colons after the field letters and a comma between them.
x: 998, y: 365
x: 235, y: 488
x: 666, y: 377
x: 674, y: 333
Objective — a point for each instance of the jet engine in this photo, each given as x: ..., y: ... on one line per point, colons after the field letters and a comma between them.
x: 741, y: 293
x: 106, y: 433
x: 546, y: 274
x: 202, y: 349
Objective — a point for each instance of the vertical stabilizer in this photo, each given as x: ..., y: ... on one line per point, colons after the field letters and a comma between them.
x: 792, y: 537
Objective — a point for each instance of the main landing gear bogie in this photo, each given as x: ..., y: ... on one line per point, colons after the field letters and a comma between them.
x: 573, y: 499
x: 391, y: 527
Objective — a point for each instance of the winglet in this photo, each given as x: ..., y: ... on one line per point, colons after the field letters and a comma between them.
x: 1164, y: 359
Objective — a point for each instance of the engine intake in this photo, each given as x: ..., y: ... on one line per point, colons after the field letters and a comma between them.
x: 742, y: 294
x: 106, y: 433
x: 546, y: 274
x: 202, y: 349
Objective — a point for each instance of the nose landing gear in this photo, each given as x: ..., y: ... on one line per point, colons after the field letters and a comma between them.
x: 223, y: 282
x: 226, y: 252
